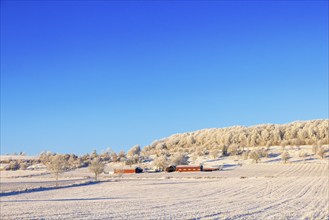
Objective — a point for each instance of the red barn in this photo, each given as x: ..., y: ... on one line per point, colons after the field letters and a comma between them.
x: 128, y: 170
x: 189, y: 168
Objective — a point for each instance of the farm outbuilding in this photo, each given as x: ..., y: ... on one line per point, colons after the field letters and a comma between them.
x: 210, y: 169
x: 171, y: 169
x: 189, y: 168
x: 128, y: 170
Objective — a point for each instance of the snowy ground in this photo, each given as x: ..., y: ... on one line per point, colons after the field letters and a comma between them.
x: 269, y: 190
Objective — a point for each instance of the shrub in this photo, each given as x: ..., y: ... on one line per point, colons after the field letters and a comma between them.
x: 233, y: 150
x: 106, y: 156
x: 114, y: 157
x: 255, y: 156
x: 199, y: 152
x: 136, y: 158
x: 13, y: 165
x: 45, y: 157
x: 214, y: 153
x: 285, y: 156
x: 263, y: 152
x: 129, y: 162
x: 23, y: 165
x: 283, y: 145
x: 245, y: 155
x: 302, y: 154
x: 121, y: 156
x: 321, y: 152
x: 85, y: 160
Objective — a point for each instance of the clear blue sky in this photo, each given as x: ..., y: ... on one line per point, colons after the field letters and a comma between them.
x: 84, y: 75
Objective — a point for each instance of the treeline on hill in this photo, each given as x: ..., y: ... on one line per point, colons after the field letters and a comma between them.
x: 247, y: 142
x: 314, y: 132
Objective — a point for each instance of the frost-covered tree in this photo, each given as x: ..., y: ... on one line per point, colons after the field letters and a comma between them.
x: 135, y: 150
x: 161, y: 162
x: 96, y: 166
x: 201, y: 141
x: 214, y: 153
x: 234, y: 150
x: 285, y: 156
x: 194, y: 158
x: 45, y: 157
x: 133, y: 154
x: 245, y: 154
x: 255, y: 156
x: 179, y: 159
x: 303, y: 154
x: 122, y: 156
x: 114, y: 157
x: 57, y: 165
x: 321, y: 152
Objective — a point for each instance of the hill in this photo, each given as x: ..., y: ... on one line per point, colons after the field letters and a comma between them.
x: 312, y: 132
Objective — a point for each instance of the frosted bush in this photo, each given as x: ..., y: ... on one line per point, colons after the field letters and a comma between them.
x: 255, y: 156
x: 321, y: 152
x: 285, y: 156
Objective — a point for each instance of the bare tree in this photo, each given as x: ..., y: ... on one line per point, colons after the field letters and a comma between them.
x: 96, y: 166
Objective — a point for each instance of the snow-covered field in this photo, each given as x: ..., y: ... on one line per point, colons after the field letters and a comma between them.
x: 298, y: 190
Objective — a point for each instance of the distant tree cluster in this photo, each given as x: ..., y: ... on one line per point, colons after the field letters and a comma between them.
x: 59, y: 163
x: 18, y: 164
x: 165, y: 160
x: 235, y: 140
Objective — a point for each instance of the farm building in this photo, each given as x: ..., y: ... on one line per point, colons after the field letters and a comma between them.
x: 128, y: 170
x: 189, y: 168
x: 171, y: 169
x: 210, y: 169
